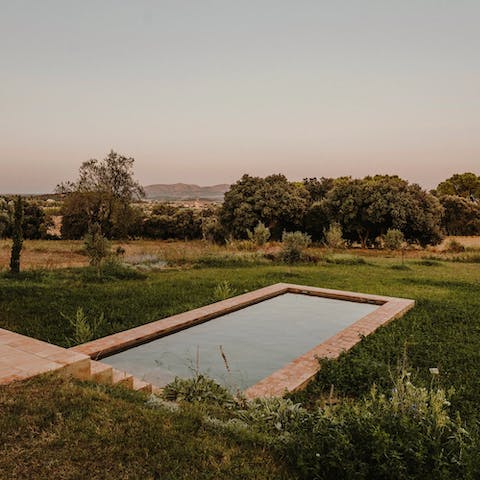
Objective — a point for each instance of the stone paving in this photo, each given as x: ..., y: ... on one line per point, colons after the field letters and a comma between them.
x: 22, y: 357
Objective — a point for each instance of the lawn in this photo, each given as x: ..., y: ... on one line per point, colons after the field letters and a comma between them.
x: 442, y: 331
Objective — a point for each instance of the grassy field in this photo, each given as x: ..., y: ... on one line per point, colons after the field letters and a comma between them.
x: 442, y: 331
x: 58, y: 254
x: 83, y: 431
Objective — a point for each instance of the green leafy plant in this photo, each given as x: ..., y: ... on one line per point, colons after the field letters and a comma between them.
x: 393, y: 239
x: 293, y: 245
x: 260, y: 234
x: 97, y: 247
x: 84, y: 329
x: 334, y: 236
x: 199, y: 389
x: 222, y: 291
x: 17, y: 236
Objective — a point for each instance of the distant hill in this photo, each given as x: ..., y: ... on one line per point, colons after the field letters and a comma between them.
x: 183, y: 191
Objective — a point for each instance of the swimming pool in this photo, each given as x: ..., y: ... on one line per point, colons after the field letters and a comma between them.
x: 263, y: 342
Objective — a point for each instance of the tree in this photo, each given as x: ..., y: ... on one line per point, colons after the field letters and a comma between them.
x: 273, y: 200
x: 17, y: 236
x: 35, y: 222
x: 318, y: 188
x: 461, y: 217
x: 461, y: 184
x: 367, y: 208
x: 102, y: 194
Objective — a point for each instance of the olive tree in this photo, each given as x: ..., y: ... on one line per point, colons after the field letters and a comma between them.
x: 102, y: 195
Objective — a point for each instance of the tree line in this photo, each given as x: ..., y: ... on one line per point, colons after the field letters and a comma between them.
x: 106, y: 195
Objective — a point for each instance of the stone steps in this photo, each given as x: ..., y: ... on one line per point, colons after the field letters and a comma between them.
x: 22, y: 357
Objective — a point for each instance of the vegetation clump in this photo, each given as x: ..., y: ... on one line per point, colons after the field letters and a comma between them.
x: 260, y: 234
x: 334, y: 236
x: 17, y: 236
x: 393, y: 239
x: 293, y: 246
x: 97, y: 247
x: 222, y: 291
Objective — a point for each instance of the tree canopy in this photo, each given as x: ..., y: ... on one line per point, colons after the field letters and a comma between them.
x: 273, y: 200
x: 102, y: 195
x: 461, y: 184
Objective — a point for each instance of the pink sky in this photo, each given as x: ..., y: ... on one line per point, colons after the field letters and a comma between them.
x: 202, y: 92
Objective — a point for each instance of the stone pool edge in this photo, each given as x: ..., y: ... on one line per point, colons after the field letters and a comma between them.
x: 293, y: 376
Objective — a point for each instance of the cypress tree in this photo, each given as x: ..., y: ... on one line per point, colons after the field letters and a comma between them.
x: 17, y: 235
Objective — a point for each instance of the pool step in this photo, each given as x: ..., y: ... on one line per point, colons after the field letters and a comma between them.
x: 141, y: 386
x: 122, y: 378
x: 106, y: 374
x: 101, y: 372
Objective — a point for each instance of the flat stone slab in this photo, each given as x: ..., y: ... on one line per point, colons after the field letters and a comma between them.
x: 23, y: 357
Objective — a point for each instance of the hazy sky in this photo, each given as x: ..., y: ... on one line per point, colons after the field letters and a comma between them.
x: 201, y: 91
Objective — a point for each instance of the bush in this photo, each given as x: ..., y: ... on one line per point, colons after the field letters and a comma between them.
x: 406, y: 434
x: 84, y: 330
x: 97, y: 247
x: 222, y: 291
x: 199, y: 389
x: 454, y: 246
x: 260, y: 235
x: 393, y: 239
x: 334, y: 236
x: 293, y: 244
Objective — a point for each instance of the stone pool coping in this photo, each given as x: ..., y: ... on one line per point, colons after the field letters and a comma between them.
x: 293, y: 376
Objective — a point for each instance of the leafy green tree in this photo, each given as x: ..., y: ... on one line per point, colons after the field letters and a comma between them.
x: 318, y: 188
x: 102, y: 194
x: 167, y: 221
x: 35, y: 222
x: 273, y: 200
x: 367, y: 208
x: 461, y: 217
x: 461, y: 184
x: 17, y: 235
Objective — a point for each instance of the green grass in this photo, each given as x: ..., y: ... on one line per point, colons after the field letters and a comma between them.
x: 79, y: 431
x: 442, y: 331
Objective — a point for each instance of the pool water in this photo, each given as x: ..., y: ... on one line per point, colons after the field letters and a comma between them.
x: 256, y: 341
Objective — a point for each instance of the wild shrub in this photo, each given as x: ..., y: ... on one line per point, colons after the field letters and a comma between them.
x: 17, y: 236
x: 222, y: 291
x: 393, y: 239
x: 454, y: 246
x: 293, y: 245
x: 334, y: 236
x: 83, y: 329
x: 407, y: 434
x: 97, y: 247
x: 260, y: 234
x: 199, y: 389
